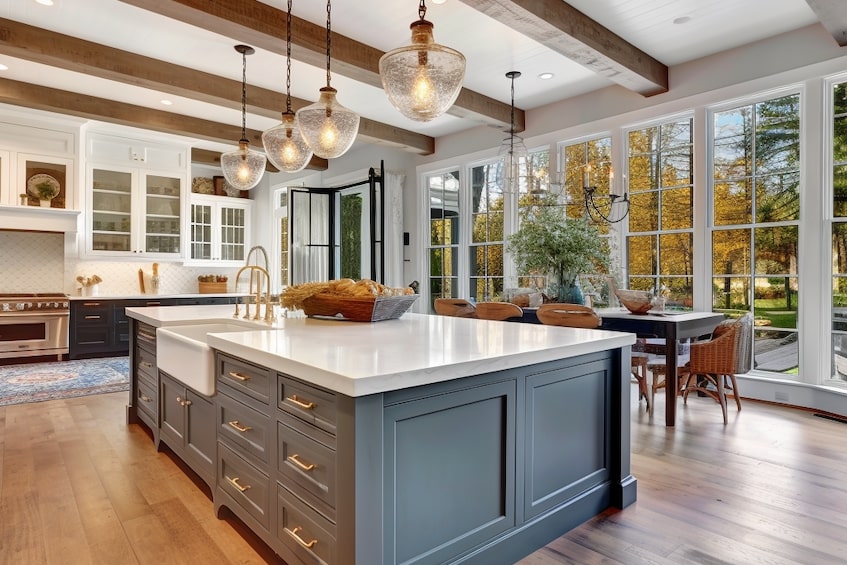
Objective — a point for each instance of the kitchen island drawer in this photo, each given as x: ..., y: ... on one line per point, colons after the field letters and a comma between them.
x: 310, y: 536
x: 245, y: 484
x: 308, y: 468
x: 147, y: 399
x: 146, y: 364
x: 244, y: 428
x: 308, y: 403
x: 244, y: 378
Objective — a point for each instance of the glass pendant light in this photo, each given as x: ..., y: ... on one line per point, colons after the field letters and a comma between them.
x: 244, y: 167
x: 513, y: 153
x: 284, y: 143
x: 328, y: 127
x: 422, y: 80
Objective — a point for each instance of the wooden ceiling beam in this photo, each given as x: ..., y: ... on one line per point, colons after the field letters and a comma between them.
x: 63, y: 51
x: 263, y: 26
x: 28, y: 95
x: 566, y: 30
x: 209, y: 157
x: 833, y: 16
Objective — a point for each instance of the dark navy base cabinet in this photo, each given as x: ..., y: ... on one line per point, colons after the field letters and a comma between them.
x: 483, y: 469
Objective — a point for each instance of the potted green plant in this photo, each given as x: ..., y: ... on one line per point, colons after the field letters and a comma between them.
x: 552, y: 244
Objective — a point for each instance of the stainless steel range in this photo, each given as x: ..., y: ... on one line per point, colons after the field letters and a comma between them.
x: 33, y: 325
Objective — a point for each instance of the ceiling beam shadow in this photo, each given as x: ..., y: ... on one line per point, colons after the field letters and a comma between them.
x: 833, y: 16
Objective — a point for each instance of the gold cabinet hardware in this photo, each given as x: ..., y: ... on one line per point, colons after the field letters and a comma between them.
x: 236, y: 484
x: 239, y: 376
x: 91, y: 304
x: 147, y: 336
x: 92, y: 317
x: 298, y: 539
x: 304, y: 405
x: 146, y: 364
x: 295, y: 458
x: 239, y: 426
x: 144, y: 397
x: 183, y: 401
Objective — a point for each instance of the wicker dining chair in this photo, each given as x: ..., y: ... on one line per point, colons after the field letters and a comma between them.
x: 570, y: 315
x: 713, y: 363
x: 455, y: 307
x: 498, y: 311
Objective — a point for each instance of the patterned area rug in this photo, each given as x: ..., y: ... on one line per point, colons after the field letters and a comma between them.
x: 37, y: 382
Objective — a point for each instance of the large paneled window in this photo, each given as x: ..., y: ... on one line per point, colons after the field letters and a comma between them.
x: 587, y: 163
x: 487, y: 234
x: 755, y: 216
x: 660, y: 181
x: 444, y: 223
x: 839, y: 231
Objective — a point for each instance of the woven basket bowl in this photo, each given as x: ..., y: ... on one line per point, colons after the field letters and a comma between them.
x: 636, y: 301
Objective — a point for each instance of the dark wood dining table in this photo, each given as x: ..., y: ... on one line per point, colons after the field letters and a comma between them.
x: 670, y: 325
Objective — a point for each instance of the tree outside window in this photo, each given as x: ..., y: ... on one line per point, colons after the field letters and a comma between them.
x: 756, y: 213
x: 660, y: 181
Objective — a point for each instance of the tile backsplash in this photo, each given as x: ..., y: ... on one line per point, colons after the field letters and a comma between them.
x: 35, y: 262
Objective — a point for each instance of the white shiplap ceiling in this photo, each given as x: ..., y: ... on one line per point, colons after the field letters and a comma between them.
x: 491, y: 47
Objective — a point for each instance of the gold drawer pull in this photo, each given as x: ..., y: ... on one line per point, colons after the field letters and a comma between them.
x: 295, y: 458
x: 239, y: 376
x: 146, y: 364
x: 182, y: 401
x: 239, y: 426
x: 298, y: 539
x: 147, y: 336
x: 91, y: 304
x: 305, y: 405
x: 92, y: 317
x: 240, y: 488
x: 144, y: 397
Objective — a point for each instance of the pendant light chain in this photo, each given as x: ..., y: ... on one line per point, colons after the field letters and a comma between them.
x: 422, y: 10
x: 328, y: 37
x: 512, y: 117
x: 244, y: 94
x: 288, y: 59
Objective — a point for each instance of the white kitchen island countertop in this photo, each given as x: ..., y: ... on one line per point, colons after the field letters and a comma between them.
x: 361, y: 358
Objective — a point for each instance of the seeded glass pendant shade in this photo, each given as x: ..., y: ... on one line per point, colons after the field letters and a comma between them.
x: 284, y: 143
x: 422, y: 80
x: 285, y: 146
x: 513, y: 154
x: 244, y: 167
x: 328, y: 127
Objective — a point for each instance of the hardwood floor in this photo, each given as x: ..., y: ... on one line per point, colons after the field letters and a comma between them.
x: 77, y: 485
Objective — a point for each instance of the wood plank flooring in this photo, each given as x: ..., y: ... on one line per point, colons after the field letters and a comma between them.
x: 77, y: 486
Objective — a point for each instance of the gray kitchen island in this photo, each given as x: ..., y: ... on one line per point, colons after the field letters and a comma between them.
x: 425, y: 439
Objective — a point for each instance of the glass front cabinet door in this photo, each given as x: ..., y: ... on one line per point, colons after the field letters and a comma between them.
x: 133, y: 212
x: 219, y: 231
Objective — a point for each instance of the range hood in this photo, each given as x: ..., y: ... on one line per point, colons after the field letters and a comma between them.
x: 32, y: 218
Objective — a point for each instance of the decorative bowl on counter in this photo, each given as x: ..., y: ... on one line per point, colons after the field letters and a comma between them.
x: 636, y: 301
x: 358, y: 309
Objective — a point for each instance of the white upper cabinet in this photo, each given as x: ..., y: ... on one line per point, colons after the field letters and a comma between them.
x: 136, y: 198
x: 219, y: 230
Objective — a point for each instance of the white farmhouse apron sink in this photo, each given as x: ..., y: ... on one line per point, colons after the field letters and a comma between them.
x: 184, y: 353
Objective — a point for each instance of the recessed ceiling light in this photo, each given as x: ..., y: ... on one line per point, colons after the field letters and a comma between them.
x: 3, y: 67
x: 682, y: 20
x: 545, y: 76
x: 438, y: 1
x: 167, y: 102
x: 45, y: 2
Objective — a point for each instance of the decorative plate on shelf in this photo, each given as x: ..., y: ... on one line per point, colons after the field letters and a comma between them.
x: 43, y: 187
